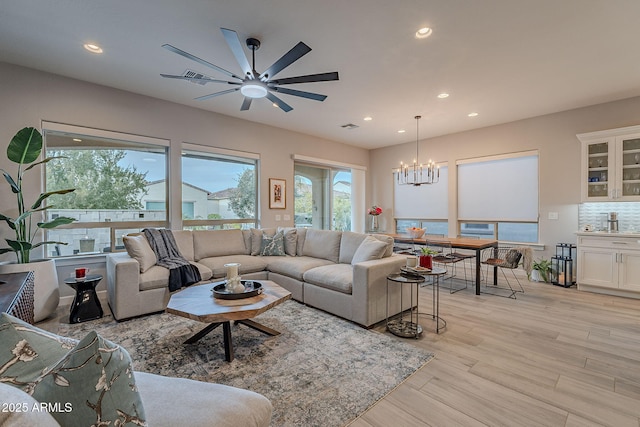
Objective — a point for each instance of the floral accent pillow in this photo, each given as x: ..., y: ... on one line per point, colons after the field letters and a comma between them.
x: 26, y: 351
x: 93, y: 384
x: 272, y: 246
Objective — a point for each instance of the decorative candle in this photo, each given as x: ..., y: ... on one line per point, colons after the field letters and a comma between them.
x: 232, y: 270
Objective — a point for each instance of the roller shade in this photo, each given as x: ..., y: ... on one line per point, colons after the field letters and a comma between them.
x: 425, y: 201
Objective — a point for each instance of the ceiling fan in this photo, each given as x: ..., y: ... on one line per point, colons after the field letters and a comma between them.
x: 253, y: 84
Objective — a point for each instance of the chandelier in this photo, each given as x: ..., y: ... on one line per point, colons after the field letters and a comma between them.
x: 417, y: 174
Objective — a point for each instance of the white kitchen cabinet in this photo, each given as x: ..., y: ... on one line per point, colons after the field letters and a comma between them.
x: 611, y: 165
x: 609, y: 263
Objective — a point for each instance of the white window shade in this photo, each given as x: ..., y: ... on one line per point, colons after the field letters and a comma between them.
x: 426, y: 201
x: 498, y: 189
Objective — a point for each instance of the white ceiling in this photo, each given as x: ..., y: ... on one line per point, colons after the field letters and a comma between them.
x: 505, y: 59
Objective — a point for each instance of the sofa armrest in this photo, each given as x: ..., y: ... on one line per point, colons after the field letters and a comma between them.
x: 123, y: 284
x: 370, y: 288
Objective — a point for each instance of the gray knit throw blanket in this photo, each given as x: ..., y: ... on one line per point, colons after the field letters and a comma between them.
x: 181, y: 272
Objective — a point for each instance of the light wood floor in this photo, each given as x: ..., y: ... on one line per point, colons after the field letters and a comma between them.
x: 553, y: 357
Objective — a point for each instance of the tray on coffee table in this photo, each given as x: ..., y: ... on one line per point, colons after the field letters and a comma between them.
x: 219, y: 291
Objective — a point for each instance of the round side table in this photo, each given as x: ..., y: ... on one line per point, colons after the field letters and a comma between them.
x: 400, y: 327
x: 86, y: 305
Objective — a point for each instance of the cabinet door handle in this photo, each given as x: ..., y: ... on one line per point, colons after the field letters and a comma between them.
x: 620, y: 243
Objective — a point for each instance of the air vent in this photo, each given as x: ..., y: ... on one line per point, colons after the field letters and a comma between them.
x: 349, y: 126
x: 195, y: 75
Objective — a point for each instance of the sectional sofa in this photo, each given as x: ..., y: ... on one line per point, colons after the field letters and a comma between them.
x: 343, y: 273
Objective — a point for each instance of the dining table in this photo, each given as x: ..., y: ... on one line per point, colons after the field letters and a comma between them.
x: 476, y: 245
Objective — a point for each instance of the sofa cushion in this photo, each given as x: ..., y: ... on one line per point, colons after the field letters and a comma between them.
x: 27, y: 350
x: 302, y: 234
x: 208, y: 243
x: 248, y: 264
x: 205, y: 272
x: 388, y: 240
x: 290, y: 240
x: 370, y: 249
x: 139, y: 249
x: 256, y: 238
x: 323, y: 244
x: 349, y: 244
x: 18, y: 409
x: 246, y: 235
x: 294, y: 267
x: 272, y: 246
x: 184, y: 240
x: 96, y: 379
x: 337, y: 277
x: 200, y: 403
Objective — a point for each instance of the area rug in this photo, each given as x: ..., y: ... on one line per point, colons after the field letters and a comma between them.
x: 320, y: 371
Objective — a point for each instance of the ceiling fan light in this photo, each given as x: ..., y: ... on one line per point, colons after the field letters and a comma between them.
x: 253, y: 90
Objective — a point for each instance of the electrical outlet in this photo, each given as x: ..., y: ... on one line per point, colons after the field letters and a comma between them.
x: 287, y: 217
x: 553, y: 215
x: 278, y: 218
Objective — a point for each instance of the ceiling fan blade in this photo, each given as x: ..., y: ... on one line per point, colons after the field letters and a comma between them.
x: 303, y: 94
x: 200, y: 61
x: 234, y: 44
x: 205, y: 97
x: 198, y: 80
x: 246, y: 103
x: 322, y: 77
x: 279, y: 102
x: 297, y: 52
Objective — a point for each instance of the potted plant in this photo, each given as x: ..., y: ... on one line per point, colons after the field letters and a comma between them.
x: 541, y: 270
x: 25, y: 149
x: 426, y: 259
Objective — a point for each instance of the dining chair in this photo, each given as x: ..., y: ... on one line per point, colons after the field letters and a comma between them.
x: 504, y: 258
x: 446, y: 258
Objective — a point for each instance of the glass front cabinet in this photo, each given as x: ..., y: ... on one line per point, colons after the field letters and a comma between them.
x: 611, y: 165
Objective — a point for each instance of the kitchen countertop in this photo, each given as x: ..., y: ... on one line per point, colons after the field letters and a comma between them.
x: 632, y: 234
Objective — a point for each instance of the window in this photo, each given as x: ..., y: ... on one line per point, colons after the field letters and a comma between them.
x: 498, y: 197
x: 219, y: 188
x: 112, y: 173
x: 322, y: 197
x: 426, y: 206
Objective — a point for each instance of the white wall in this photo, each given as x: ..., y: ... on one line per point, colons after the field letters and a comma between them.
x: 554, y: 135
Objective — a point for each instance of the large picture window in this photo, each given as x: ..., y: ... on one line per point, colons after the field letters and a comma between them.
x: 219, y: 188
x: 112, y: 174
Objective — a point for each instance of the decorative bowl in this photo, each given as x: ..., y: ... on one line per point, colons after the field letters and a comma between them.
x: 416, y: 233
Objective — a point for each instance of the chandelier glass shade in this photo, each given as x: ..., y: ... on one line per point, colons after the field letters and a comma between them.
x: 417, y: 174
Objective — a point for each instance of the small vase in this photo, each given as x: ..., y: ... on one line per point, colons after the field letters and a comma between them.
x: 374, y: 222
x: 426, y: 261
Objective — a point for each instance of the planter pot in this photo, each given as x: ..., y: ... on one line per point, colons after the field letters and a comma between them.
x: 426, y: 261
x: 46, y: 290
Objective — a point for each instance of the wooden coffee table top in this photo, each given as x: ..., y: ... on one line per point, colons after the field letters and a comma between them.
x: 198, y: 303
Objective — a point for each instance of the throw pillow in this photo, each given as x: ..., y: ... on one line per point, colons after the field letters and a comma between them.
x: 139, y: 249
x: 95, y: 385
x: 370, y: 249
x: 273, y: 246
x: 25, y: 351
x: 290, y: 240
x: 256, y: 238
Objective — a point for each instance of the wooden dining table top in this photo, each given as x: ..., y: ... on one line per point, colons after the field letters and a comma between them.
x: 456, y: 242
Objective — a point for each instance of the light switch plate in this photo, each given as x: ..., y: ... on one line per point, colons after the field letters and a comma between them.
x: 553, y: 215
x: 278, y: 218
x: 287, y: 217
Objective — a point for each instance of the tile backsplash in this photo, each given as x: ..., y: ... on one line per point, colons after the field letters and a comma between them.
x: 628, y: 215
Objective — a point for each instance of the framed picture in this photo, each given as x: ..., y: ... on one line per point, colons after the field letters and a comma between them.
x: 277, y: 193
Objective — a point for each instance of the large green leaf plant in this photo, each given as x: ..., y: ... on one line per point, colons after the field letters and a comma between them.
x: 24, y: 149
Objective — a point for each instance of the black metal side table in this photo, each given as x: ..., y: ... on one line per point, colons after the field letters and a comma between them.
x: 86, y: 305
x: 435, y: 274
x: 401, y: 327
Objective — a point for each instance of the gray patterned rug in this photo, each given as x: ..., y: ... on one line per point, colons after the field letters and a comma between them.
x: 320, y: 371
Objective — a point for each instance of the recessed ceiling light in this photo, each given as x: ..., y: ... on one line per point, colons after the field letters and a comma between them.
x: 443, y: 95
x: 423, y: 33
x: 77, y: 140
x: 368, y: 119
x: 93, y: 48
x: 474, y: 114
x: 401, y: 131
